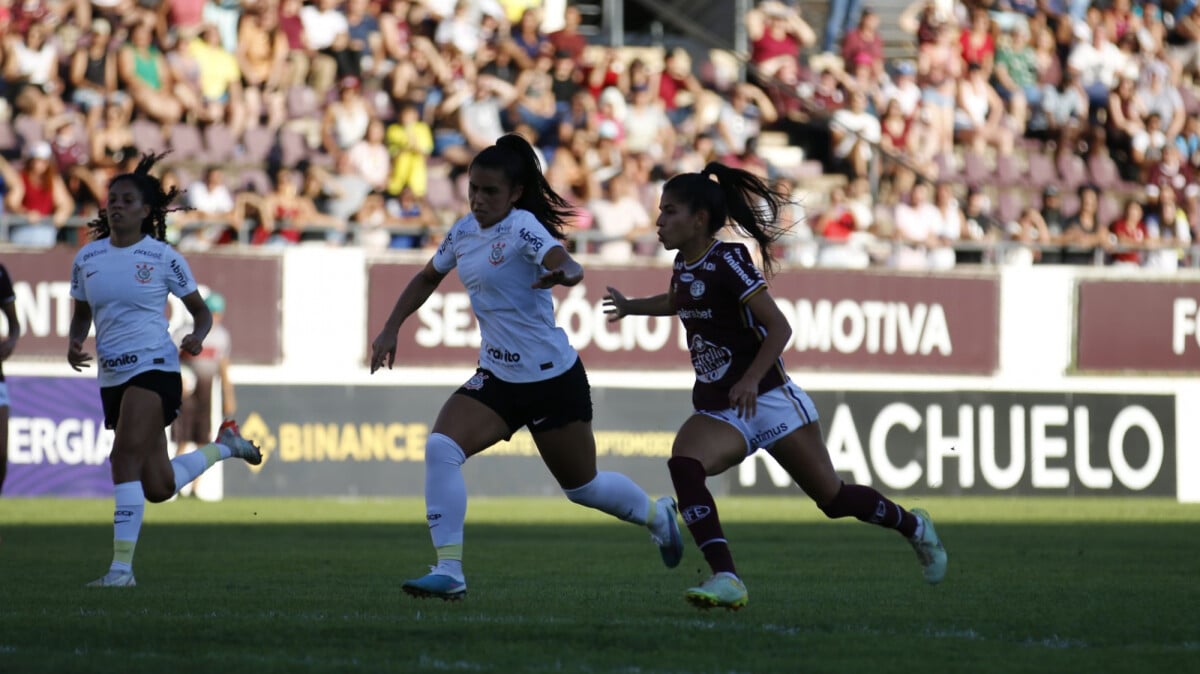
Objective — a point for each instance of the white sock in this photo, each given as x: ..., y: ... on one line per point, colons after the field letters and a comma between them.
x: 445, y: 501
x: 130, y: 506
x: 189, y: 466
x: 615, y: 494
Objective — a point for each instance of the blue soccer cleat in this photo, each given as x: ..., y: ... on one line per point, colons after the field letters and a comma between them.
x: 722, y: 590
x: 436, y: 585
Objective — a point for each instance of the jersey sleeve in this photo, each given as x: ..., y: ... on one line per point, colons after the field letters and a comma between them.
x: 533, y: 239
x: 6, y: 287
x: 444, y: 258
x: 78, y: 290
x: 180, y: 280
x: 743, y: 277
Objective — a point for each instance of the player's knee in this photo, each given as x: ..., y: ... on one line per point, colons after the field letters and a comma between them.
x: 441, y: 449
x: 686, y: 468
x: 158, y: 492
x: 834, y: 507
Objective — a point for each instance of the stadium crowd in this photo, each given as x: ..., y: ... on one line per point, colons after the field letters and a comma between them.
x: 1018, y: 131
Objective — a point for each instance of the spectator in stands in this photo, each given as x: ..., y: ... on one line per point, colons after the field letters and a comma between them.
x: 938, y: 69
x: 210, y: 200
x: 527, y: 41
x: 976, y: 42
x: 902, y: 88
x: 1084, y: 232
x: 93, y: 70
x: 864, y: 45
x: 903, y: 138
x: 31, y: 68
x: 619, y: 218
x: 1129, y: 234
x: 742, y: 117
x: 461, y: 29
x: 536, y: 104
x: 286, y: 211
x: 1167, y: 223
x: 920, y: 230
x: 220, y: 80
x: 827, y: 95
x: 143, y: 73
x: 855, y: 133
x: 1183, y: 39
x: 1015, y: 76
x: 1148, y: 143
x: 365, y: 39
x: 678, y: 87
x: 68, y: 143
x: 566, y: 81
x: 322, y: 23
x: 370, y: 159
x: 647, y: 129
x: 1064, y: 109
x: 262, y: 57
x: 980, y: 119
x: 777, y: 33
x: 568, y: 41
x: 980, y: 226
x: 1097, y: 63
x: 1171, y: 172
x: 838, y: 228
x: 841, y: 16
x: 43, y: 200
x: 409, y: 142
x: 338, y: 193
x: 1160, y: 97
x: 346, y: 119
x: 1126, y: 113
x: 1029, y: 233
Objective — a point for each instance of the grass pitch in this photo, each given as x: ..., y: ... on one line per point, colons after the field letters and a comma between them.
x: 296, y: 586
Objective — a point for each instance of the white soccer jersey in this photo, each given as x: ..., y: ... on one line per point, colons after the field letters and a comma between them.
x: 127, y: 288
x: 498, y: 266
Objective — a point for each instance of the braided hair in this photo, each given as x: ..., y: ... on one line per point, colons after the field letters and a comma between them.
x: 739, y: 196
x: 513, y: 155
x: 153, y: 195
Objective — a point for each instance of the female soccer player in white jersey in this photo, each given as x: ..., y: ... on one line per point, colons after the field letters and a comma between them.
x: 743, y: 398
x: 122, y: 279
x: 508, y: 255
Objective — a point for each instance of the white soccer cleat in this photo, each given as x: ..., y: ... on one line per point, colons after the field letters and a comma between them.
x: 114, y: 579
x: 231, y: 437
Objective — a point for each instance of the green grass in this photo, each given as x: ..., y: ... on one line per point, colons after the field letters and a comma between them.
x: 280, y: 585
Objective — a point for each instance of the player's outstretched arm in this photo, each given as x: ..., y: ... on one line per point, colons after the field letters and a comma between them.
x: 617, y: 306
x: 383, y: 348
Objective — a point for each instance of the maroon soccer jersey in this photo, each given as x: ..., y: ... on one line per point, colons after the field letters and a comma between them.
x: 710, y: 296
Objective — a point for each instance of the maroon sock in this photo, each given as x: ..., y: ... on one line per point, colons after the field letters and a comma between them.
x: 700, y: 512
x: 868, y: 505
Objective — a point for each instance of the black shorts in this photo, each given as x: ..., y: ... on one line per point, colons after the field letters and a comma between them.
x: 540, y: 405
x: 168, y: 386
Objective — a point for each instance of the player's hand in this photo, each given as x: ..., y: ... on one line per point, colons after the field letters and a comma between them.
x: 76, y: 357
x: 615, y: 305
x: 556, y: 277
x: 191, y: 345
x: 743, y: 397
x: 383, y: 350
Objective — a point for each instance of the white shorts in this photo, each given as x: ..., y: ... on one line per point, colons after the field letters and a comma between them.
x: 780, y: 411
x: 3, y: 394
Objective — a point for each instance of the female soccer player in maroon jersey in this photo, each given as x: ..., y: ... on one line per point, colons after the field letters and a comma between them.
x: 743, y: 397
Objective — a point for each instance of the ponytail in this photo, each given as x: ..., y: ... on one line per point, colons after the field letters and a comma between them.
x: 513, y: 155
x: 151, y: 189
x: 737, y: 196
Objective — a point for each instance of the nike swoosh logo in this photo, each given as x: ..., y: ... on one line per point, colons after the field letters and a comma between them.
x: 91, y: 274
x: 537, y: 422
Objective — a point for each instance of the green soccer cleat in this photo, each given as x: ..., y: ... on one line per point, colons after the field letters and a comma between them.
x: 114, y: 579
x: 670, y: 542
x: 436, y: 585
x: 231, y: 437
x: 929, y: 549
x: 721, y: 590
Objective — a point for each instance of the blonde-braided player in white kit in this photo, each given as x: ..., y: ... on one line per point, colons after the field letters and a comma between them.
x: 121, y: 279
x: 508, y: 255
